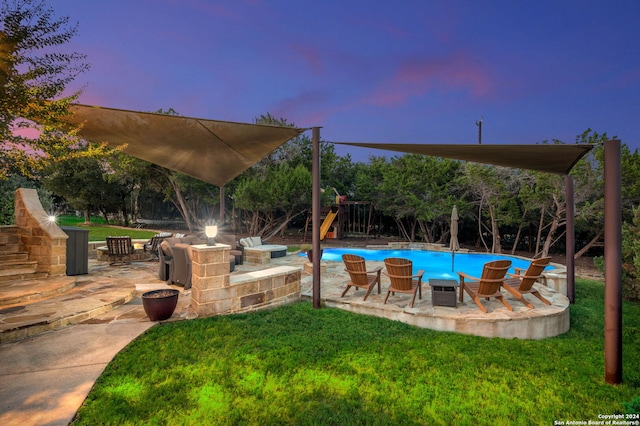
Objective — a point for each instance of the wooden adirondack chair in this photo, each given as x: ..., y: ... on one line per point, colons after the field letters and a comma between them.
x: 403, y: 280
x: 520, y: 284
x: 360, y: 277
x: 488, y: 285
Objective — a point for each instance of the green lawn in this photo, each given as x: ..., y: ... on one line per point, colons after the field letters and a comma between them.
x: 98, y: 230
x: 298, y: 365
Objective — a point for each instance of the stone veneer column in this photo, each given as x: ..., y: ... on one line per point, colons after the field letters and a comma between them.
x: 45, y: 242
x: 209, y: 275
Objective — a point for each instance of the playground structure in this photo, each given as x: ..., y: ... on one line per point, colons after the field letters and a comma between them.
x: 344, y: 219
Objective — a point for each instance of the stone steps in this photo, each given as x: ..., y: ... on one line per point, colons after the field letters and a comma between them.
x: 21, y: 274
x: 14, y: 256
x: 29, y: 291
x: 10, y: 241
x: 14, y: 261
x: 32, y: 302
x: 22, y: 265
x: 35, y: 295
x: 84, y: 301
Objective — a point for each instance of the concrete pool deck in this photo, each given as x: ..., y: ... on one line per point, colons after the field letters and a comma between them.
x: 541, y: 322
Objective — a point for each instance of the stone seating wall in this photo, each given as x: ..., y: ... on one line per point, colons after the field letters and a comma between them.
x: 98, y: 250
x: 215, y: 292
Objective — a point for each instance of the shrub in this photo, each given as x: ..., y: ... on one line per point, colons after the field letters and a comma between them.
x: 632, y: 407
x: 630, y: 258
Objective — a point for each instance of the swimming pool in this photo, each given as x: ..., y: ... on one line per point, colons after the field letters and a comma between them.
x: 435, y: 264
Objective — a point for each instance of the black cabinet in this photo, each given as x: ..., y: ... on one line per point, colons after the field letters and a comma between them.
x: 77, y: 250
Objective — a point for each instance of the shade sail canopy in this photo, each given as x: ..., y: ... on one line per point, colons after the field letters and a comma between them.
x: 557, y: 159
x: 209, y: 150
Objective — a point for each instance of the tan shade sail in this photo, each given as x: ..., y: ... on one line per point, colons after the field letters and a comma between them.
x: 209, y: 150
x: 557, y: 159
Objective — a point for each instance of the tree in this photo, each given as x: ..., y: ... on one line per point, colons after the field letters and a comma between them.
x: 128, y: 173
x: 494, y: 189
x: 7, y: 196
x: 335, y: 171
x: 33, y: 79
x: 416, y: 192
x: 631, y: 257
x: 273, y: 200
x: 293, y: 152
x: 367, y: 179
x: 81, y: 182
x: 589, y: 191
x: 194, y: 199
x: 398, y: 192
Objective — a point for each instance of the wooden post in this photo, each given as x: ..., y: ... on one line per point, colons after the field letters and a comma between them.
x: 570, y: 238
x: 221, y: 205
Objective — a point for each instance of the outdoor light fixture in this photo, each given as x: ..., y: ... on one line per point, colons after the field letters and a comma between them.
x: 52, y: 219
x: 211, y: 231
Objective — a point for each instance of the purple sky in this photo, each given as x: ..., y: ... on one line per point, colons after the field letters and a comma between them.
x: 372, y: 71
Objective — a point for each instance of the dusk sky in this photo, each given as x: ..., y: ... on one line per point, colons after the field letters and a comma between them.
x: 372, y: 71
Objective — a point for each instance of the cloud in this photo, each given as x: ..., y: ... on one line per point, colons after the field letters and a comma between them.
x: 304, y: 108
x: 416, y: 77
x: 216, y: 9
x: 622, y: 80
x: 309, y: 55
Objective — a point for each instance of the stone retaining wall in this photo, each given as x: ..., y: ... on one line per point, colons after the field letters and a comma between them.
x: 45, y: 242
x: 407, y: 245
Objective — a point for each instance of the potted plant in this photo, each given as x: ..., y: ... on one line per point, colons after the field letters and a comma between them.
x: 309, y: 250
x: 160, y: 304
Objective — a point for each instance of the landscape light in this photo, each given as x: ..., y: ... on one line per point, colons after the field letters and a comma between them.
x: 211, y: 231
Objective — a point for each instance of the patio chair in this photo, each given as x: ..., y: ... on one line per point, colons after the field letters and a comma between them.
x: 237, y: 250
x: 519, y: 284
x: 165, y: 255
x: 360, y: 277
x: 118, y: 248
x: 488, y: 285
x: 152, y: 245
x: 181, y: 268
x: 403, y: 280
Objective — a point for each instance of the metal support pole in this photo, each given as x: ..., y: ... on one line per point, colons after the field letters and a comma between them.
x: 315, y: 214
x: 570, y: 238
x: 613, y: 263
x: 221, y: 204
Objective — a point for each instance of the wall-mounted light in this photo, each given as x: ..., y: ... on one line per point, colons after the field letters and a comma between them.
x: 211, y: 231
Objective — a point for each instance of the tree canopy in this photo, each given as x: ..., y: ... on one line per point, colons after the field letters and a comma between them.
x: 34, y: 73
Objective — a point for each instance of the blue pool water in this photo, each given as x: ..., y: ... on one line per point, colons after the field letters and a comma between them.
x: 435, y: 264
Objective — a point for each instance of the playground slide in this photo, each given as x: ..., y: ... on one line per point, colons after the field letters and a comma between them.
x: 326, y: 224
